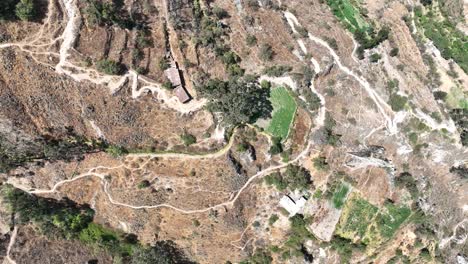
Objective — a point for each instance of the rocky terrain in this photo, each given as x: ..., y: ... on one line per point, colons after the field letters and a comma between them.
x: 244, y: 131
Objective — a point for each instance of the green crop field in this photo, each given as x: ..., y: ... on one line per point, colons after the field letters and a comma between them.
x: 284, y: 108
x: 347, y: 13
x: 388, y: 221
x: 339, y: 197
x: 356, y: 217
x: 373, y: 225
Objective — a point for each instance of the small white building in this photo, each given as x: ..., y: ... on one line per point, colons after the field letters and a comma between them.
x: 293, y: 206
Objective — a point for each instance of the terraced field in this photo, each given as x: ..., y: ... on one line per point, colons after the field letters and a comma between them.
x: 347, y: 13
x: 371, y: 224
x: 284, y: 108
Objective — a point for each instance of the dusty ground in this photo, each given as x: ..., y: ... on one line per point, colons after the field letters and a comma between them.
x: 207, y: 197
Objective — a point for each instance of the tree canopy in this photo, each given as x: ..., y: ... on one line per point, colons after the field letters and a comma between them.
x: 25, y: 10
x: 240, y: 100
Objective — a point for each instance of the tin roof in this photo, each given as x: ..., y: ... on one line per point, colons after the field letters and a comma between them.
x: 182, y: 94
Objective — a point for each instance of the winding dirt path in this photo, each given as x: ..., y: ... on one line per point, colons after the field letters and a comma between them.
x: 383, y: 107
x: 14, y: 233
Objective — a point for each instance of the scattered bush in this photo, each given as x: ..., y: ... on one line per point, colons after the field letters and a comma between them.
x: 297, y: 177
x: 276, y: 180
x: 164, y: 64
x: 106, y: 14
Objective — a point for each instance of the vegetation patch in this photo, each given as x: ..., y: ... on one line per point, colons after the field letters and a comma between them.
x: 240, y: 100
x: 348, y: 14
x: 284, y: 108
x: 361, y: 221
x: 68, y: 220
x: 390, y: 219
x: 456, y: 98
x: 451, y: 42
x: 339, y: 197
x: 293, y: 178
x: 356, y: 216
x: 353, y: 18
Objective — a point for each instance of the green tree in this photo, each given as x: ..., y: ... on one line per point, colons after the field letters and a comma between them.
x: 25, y: 10
x: 6, y: 8
x: 297, y: 177
x: 109, y: 67
x: 240, y: 100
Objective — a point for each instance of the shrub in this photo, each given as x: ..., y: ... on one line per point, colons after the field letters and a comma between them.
x: 273, y: 218
x: 375, y: 57
x: 440, y: 95
x: 332, y: 43
x: 251, y: 40
x: 25, y: 10
x: 276, y: 146
x: 277, y: 70
x: 397, y: 102
x: 266, y: 52
x: 164, y: 64
x: 116, y: 151
x: 109, y: 67
x: 394, y: 52
x: 167, y: 85
x: 188, y: 139
x: 320, y: 163
x: 144, y: 184
x: 219, y: 12
x: 143, y: 39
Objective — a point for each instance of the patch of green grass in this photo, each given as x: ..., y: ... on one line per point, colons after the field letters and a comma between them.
x: 339, y: 197
x: 389, y: 220
x: 356, y: 217
x: 371, y: 224
x: 284, y: 108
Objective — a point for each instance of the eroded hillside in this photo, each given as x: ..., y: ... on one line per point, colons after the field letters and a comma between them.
x: 244, y: 131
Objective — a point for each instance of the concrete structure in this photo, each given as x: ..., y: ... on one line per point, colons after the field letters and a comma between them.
x: 293, y: 206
